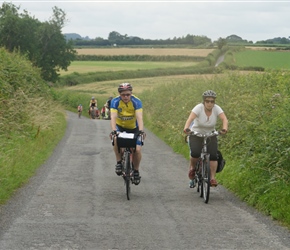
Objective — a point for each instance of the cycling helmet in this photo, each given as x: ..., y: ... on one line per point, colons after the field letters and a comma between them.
x: 124, y: 86
x: 209, y: 93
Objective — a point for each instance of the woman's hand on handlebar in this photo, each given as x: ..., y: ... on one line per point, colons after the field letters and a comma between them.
x: 223, y: 131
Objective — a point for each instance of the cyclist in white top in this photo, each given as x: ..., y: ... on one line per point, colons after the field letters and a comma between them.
x: 203, y: 118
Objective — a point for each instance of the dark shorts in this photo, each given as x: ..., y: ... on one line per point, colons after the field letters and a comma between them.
x: 134, y: 131
x: 195, y: 144
x: 121, y: 129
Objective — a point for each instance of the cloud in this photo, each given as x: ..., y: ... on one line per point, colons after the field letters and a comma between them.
x: 251, y: 20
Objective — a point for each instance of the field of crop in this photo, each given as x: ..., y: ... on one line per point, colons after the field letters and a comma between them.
x: 266, y: 59
x: 101, y: 66
x: 140, y: 51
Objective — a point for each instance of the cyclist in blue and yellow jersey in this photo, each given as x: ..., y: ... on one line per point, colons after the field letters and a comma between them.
x: 127, y: 116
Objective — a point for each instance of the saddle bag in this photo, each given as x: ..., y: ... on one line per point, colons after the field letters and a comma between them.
x: 126, y: 140
x: 221, y: 162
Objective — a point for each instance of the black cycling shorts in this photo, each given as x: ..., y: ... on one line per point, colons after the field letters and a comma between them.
x: 195, y: 144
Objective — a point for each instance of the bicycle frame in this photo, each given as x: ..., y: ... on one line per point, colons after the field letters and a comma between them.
x: 127, y: 157
x: 202, y: 168
x: 127, y: 161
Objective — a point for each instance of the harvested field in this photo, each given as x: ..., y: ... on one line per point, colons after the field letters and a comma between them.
x: 140, y: 51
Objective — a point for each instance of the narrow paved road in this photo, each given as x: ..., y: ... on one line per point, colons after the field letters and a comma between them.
x: 76, y: 201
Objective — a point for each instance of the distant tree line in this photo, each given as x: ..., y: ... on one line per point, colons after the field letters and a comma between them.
x: 42, y: 42
x: 116, y: 39
x: 277, y: 40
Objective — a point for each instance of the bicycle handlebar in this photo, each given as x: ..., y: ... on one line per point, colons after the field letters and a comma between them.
x: 211, y: 134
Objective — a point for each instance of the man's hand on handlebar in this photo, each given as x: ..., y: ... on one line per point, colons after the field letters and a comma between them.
x: 113, y: 133
x: 142, y: 133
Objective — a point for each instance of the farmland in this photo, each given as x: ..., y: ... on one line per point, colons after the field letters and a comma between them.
x: 139, y: 51
x: 101, y: 66
x: 263, y: 58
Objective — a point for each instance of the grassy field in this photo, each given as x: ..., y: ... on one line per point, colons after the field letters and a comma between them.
x: 139, y: 51
x: 263, y: 58
x: 101, y: 66
x: 105, y: 89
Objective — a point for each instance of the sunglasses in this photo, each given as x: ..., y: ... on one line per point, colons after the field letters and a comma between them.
x: 209, y: 101
x: 123, y: 95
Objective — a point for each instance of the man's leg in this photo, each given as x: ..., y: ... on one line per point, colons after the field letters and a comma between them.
x: 137, y: 156
x: 118, y: 168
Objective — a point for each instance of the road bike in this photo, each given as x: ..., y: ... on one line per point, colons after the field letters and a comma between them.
x: 202, y: 167
x: 127, y: 145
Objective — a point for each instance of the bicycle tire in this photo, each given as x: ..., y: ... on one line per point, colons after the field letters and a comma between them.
x: 127, y: 174
x: 206, y: 178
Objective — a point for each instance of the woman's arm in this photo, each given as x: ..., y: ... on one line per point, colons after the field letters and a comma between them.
x: 224, y: 119
x: 190, y: 118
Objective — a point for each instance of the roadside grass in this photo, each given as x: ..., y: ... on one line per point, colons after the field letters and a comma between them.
x: 24, y: 156
x: 102, y: 66
x: 267, y: 59
x: 31, y: 123
x: 26, y: 146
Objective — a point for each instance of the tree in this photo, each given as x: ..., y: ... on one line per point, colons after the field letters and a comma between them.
x: 43, y: 43
x: 221, y: 42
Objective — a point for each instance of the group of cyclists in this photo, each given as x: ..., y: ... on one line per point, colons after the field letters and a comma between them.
x: 93, y: 107
x: 126, y: 115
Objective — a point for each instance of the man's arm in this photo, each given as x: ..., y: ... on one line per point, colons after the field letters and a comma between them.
x: 139, y: 117
x: 113, y: 120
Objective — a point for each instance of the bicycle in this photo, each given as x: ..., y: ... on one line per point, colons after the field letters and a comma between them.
x: 202, y: 167
x: 127, y: 144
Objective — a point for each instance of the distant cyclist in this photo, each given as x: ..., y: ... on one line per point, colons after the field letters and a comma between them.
x: 93, y: 106
x: 127, y: 115
x: 80, y: 110
x: 108, y: 105
x: 203, y: 119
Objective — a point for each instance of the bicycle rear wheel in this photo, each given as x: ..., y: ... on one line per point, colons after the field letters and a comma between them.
x: 198, y: 176
x: 127, y: 174
x: 205, y: 185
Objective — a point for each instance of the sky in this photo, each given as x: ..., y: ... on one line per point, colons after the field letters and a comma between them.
x: 150, y: 19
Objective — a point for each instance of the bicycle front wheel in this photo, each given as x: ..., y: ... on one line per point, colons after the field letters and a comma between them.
x: 127, y: 174
x: 205, y: 185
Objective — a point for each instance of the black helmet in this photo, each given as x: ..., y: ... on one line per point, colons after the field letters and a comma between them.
x: 209, y: 93
x: 124, y: 86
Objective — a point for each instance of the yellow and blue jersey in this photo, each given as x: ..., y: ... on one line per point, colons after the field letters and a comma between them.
x: 126, y: 117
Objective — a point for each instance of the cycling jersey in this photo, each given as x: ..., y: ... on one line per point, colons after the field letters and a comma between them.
x: 126, y: 117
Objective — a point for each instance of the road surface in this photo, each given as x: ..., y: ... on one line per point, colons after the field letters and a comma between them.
x: 76, y: 201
